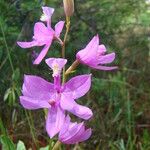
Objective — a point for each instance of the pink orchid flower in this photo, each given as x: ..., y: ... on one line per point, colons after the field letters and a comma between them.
x: 44, y: 35
x: 94, y: 55
x: 38, y: 93
x: 72, y: 133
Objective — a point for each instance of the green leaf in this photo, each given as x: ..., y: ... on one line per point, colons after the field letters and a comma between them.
x: 45, y: 148
x: 16, y: 74
x: 7, y: 143
x: 1, y: 53
x: 6, y: 95
x: 21, y: 146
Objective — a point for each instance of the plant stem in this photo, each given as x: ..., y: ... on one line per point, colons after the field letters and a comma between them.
x: 64, y: 44
x: 8, y: 52
x: 72, y: 67
x: 31, y: 125
x: 56, y: 146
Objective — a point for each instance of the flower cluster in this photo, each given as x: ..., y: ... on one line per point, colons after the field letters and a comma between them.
x: 59, y: 98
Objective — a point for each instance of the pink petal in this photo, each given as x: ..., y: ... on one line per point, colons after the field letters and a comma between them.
x: 94, y: 41
x: 78, y: 85
x: 101, y: 49
x: 42, y: 34
x: 85, y: 135
x: 42, y: 53
x: 53, y: 61
x: 37, y: 88
x: 107, y: 58
x: 75, y: 136
x: 68, y: 129
x: 58, y: 28
x: 67, y: 103
x: 82, y: 111
x: 89, y: 55
x: 48, y: 11
x: 72, y: 133
x: 27, y: 44
x: 104, y: 67
x: 54, y: 121
x: 65, y: 126
x: 32, y: 103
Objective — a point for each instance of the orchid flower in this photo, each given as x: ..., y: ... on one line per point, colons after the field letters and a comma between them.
x: 38, y: 93
x: 72, y: 133
x: 93, y: 55
x: 44, y: 35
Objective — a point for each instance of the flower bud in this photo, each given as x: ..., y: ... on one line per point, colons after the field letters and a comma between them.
x: 68, y: 7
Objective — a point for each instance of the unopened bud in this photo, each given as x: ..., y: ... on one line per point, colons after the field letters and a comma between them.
x: 68, y: 7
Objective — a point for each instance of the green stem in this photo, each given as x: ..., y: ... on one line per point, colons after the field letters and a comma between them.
x: 64, y: 44
x: 56, y: 146
x: 72, y: 67
x: 31, y: 125
x: 8, y: 52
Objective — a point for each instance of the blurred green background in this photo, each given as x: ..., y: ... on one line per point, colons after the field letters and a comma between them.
x: 120, y: 99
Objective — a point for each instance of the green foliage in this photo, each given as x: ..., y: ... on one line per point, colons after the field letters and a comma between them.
x: 7, y: 143
x: 20, y: 146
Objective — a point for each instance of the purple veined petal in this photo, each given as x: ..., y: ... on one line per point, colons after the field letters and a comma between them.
x: 36, y: 87
x: 42, y: 53
x: 54, y: 121
x: 42, y: 34
x: 48, y: 11
x: 68, y: 103
x: 89, y: 55
x: 58, y: 28
x: 27, y: 44
x: 74, y: 138
x: 106, y: 68
x: 94, y: 41
x: 31, y: 103
x: 68, y: 129
x: 56, y: 64
x: 81, y: 136
x: 47, y: 14
x: 82, y: 111
x: 60, y: 62
x: 78, y: 85
x: 101, y: 49
x: 105, y: 59
x: 65, y: 126
x: 86, y: 135
x: 74, y: 131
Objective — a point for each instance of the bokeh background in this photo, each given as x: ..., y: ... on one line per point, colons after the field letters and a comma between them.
x: 120, y: 99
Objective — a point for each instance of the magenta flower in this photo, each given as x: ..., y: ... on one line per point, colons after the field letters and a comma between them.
x: 94, y: 55
x: 72, y: 133
x: 44, y: 35
x: 38, y: 93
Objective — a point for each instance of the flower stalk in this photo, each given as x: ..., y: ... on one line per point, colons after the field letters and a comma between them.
x: 72, y: 67
x: 58, y: 143
x: 64, y: 44
x: 56, y: 146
